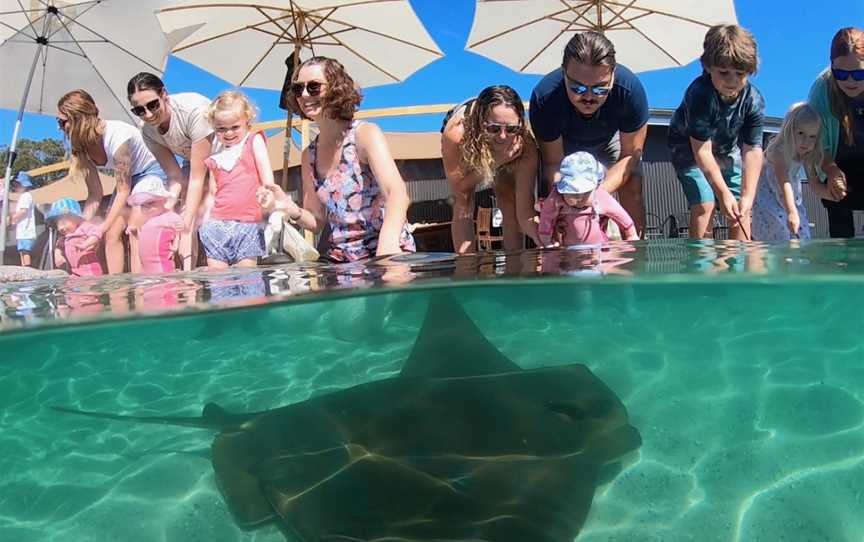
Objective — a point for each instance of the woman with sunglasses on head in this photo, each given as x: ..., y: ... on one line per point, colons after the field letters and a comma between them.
x: 593, y: 104
x: 109, y: 144
x: 838, y: 96
x: 349, y: 177
x: 484, y: 143
x: 176, y: 125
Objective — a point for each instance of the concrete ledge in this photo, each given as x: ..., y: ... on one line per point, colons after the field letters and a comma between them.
x: 15, y: 273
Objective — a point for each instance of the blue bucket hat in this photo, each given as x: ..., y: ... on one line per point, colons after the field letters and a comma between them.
x: 23, y: 179
x: 63, y: 207
x: 580, y: 173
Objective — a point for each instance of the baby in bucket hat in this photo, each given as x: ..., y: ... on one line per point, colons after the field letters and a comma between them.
x: 159, y: 236
x: 79, y: 239
x: 578, y: 210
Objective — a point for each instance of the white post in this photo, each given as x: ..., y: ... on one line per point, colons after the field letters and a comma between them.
x: 6, y: 181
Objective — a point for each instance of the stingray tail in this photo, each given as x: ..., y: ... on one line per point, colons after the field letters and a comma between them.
x: 214, y: 417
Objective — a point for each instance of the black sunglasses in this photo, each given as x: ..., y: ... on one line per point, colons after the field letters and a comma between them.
x: 313, y: 88
x: 61, y: 123
x: 494, y: 128
x: 152, y: 106
x: 842, y: 75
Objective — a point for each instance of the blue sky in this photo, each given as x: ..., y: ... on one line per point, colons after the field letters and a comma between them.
x: 793, y: 38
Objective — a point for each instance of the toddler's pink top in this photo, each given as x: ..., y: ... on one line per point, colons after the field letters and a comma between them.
x: 154, y: 242
x: 235, y: 197
x: 83, y: 263
x: 586, y: 226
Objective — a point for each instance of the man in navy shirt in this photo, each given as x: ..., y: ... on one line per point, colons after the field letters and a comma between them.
x: 593, y: 104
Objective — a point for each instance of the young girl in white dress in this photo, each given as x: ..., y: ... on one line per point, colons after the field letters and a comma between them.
x: 792, y: 156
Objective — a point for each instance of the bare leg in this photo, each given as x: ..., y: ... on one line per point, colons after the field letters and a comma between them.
x: 188, y: 248
x: 630, y: 195
x: 115, y: 251
x: 25, y: 259
x: 505, y: 197
x: 216, y: 264
x: 700, y: 219
x: 247, y: 262
x: 741, y: 230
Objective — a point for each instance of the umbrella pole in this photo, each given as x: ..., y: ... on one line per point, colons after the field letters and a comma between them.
x: 286, y: 155
x: 4, y: 215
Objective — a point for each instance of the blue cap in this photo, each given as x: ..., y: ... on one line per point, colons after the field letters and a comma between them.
x: 63, y: 207
x: 580, y: 173
x: 23, y: 179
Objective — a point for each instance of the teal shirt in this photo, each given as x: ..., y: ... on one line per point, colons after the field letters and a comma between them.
x: 820, y: 100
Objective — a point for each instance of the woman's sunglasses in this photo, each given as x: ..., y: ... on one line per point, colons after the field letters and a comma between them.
x: 842, y: 75
x: 61, y: 123
x: 494, y: 128
x: 151, y: 106
x: 313, y: 88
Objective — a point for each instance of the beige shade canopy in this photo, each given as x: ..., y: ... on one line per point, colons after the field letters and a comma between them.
x: 246, y: 42
x: 70, y: 186
x: 530, y: 35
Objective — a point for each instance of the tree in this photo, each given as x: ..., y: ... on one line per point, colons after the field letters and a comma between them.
x: 33, y: 154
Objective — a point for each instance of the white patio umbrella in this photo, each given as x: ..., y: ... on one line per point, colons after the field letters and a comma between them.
x: 53, y: 46
x: 247, y: 42
x: 530, y: 35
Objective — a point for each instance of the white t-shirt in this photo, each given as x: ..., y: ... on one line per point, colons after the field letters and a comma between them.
x: 26, y: 228
x: 188, y: 125
x: 116, y: 134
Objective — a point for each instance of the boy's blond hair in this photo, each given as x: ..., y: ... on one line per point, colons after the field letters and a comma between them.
x: 730, y: 46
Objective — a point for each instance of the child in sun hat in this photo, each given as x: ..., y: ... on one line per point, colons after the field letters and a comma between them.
x: 80, y: 238
x: 577, y: 210
x: 158, y: 237
x: 24, y: 218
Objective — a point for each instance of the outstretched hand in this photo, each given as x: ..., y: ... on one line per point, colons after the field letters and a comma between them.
x: 87, y: 244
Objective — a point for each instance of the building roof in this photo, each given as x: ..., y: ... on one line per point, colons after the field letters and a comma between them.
x: 403, y: 146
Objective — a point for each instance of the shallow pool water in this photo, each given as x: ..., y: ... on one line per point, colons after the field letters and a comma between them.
x: 741, y: 367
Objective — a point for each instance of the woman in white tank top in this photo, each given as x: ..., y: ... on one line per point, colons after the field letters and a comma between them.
x: 114, y: 145
x: 176, y: 125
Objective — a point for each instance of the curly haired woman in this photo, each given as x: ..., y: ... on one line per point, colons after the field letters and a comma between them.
x: 349, y: 177
x: 485, y: 143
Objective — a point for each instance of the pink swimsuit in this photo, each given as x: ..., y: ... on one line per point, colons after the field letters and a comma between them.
x: 585, y: 226
x: 154, y: 242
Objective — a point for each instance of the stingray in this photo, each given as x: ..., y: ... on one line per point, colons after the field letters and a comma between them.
x: 462, y: 445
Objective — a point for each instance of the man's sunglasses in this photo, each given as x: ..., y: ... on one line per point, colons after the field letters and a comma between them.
x: 494, y: 128
x: 313, y: 88
x: 151, y: 106
x: 580, y: 89
x: 842, y: 75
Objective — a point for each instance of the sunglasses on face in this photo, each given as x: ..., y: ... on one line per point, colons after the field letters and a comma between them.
x: 580, y: 89
x: 151, y: 106
x: 842, y: 75
x: 313, y: 88
x: 61, y: 123
x: 494, y: 128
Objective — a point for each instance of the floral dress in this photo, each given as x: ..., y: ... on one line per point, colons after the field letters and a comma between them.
x: 354, y: 203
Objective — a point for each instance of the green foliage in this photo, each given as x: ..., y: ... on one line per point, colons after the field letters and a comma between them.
x: 33, y: 154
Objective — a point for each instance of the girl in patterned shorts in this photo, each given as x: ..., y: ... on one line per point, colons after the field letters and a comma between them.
x: 234, y: 234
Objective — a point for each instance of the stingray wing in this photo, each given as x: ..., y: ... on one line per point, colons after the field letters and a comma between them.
x: 373, y: 497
